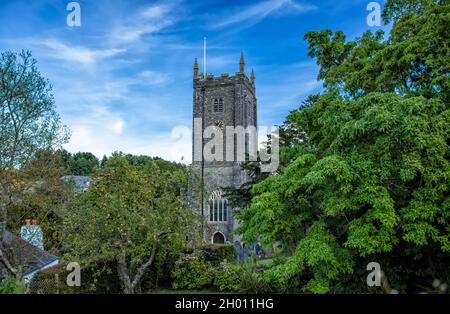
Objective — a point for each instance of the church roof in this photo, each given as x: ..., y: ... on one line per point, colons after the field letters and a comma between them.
x: 79, y: 181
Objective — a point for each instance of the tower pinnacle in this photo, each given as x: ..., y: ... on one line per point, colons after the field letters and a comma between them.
x: 241, y: 63
x: 252, y: 76
x: 195, y: 68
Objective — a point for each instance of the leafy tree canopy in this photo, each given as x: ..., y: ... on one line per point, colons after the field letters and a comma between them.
x: 126, y: 214
x: 371, y: 181
x: 79, y: 164
x: 30, y: 130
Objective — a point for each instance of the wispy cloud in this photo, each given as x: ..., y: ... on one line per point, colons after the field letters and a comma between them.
x: 149, y: 20
x: 78, y: 54
x: 123, y: 80
x: 102, y: 132
x: 256, y: 13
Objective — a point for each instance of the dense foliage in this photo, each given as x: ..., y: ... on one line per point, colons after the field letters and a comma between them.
x: 99, y: 277
x: 371, y: 180
x: 79, y: 164
x: 227, y: 278
x: 125, y: 215
x: 10, y: 285
x: 217, y: 253
x: 192, y: 272
x: 196, y: 271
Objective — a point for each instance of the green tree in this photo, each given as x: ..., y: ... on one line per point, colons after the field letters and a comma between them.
x: 29, y: 125
x: 125, y: 215
x: 79, y: 164
x: 83, y: 164
x: 371, y: 182
x: 41, y: 194
x: 290, y: 138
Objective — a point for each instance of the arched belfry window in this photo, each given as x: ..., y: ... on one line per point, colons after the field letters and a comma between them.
x: 218, y: 207
x: 218, y: 105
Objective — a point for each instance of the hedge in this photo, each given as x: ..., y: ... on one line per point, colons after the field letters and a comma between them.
x: 216, y: 253
x: 53, y: 280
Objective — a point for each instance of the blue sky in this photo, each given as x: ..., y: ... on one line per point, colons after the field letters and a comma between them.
x: 123, y: 80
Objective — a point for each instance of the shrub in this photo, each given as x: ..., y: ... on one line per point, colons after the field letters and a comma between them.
x: 52, y: 281
x: 252, y: 281
x: 10, y: 285
x: 159, y: 274
x: 96, y: 278
x: 191, y: 272
x: 227, y: 278
x: 217, y: 253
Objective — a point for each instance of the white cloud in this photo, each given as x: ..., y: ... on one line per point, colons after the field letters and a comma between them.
x: 77, y: 54
x: 150, y: 20
x: 148, y: 77
x: 261, y: 10
x: 100, y: 141
x: 103, y: 116
x: 155, y: 12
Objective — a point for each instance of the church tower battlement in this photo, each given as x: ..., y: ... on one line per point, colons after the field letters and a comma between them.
x: 222, y: 101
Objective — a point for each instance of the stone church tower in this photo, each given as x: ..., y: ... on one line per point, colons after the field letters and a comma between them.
x: 221, y: 102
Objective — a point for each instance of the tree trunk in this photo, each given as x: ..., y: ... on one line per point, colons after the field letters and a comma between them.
x: 132, y: 286
x: 124, y: 276
x: 2, y: 220
x: 3, y: 256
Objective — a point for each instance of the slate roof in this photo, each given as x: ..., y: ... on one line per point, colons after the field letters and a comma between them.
x: 79, y: 181
x: 30, y: 257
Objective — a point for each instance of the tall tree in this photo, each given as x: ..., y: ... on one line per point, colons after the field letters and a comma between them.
x: 28, y: 124
x: 371, y: 181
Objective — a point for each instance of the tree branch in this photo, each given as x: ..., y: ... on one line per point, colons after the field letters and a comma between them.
x: 6, y: 262
x: 140, y: 272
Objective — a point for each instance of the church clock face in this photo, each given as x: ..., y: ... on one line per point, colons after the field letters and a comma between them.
x: 219, y: 125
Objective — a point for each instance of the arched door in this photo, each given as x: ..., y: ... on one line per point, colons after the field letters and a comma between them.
x: 218, y: 238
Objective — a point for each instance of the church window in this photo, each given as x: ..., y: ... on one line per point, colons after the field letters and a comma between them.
x: 215, y: 211
x: 218, y: 207
x: 211, y: 216
x: 225, y: 210
x: 218, y: 105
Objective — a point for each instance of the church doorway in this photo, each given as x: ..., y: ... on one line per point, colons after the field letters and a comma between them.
x: 218, y: 238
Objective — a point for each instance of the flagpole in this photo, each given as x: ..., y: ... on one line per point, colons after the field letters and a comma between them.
x: 204, y: 57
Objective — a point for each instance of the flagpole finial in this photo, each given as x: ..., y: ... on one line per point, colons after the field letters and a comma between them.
x: 204, y: 57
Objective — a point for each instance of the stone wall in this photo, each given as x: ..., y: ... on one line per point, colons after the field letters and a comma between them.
x: 239, y: 99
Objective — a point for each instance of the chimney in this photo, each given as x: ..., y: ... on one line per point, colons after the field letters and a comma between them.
x: 32, y: 233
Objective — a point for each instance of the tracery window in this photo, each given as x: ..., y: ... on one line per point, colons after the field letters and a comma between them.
x: 218, y: 207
